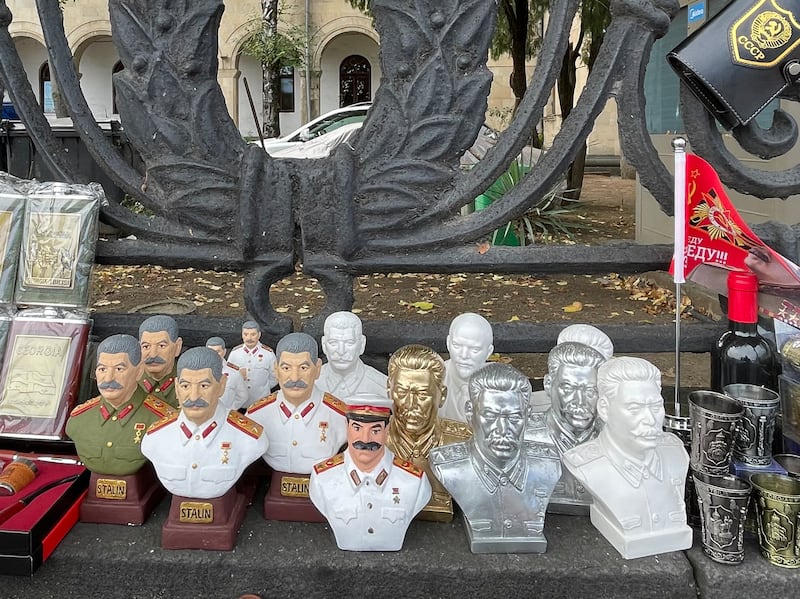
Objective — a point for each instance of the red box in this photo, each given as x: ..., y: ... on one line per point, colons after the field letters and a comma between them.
x: 29, y: 536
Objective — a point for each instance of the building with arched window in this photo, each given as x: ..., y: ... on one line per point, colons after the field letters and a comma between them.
x: 341, y: 64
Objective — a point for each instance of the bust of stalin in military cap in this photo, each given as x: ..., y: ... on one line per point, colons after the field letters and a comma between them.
x: 368, y: 495
x: 108, y: 429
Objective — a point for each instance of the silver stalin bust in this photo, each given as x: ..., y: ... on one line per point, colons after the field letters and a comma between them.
x: 571, y: 388
x: 501, y: 481
x: 634, y: 470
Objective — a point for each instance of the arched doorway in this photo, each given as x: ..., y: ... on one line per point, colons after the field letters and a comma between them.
x: 355, y: 80
x: 114, y: 70
x: 46, y: 89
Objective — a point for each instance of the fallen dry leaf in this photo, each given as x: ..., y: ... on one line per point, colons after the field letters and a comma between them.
x: 423, y: 306
x: 575, y: 306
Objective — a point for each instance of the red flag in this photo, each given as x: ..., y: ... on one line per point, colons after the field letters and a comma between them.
x: 717, y: 235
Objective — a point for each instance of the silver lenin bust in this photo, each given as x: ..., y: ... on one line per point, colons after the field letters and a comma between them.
x: 501, y: 481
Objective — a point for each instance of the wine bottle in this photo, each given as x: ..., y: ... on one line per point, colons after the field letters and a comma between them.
x: 741, y: 354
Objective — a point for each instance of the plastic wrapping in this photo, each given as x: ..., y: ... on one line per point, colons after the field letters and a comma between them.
x: 6, y: 315
x: 58, y: 241
x: 41, y: 374
x: 12, y: 208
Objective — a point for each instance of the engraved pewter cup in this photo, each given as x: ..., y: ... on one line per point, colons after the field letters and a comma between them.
x: 714, y: 420
x: 723, y: 504
x: 778, y: 509
x: 677, y: 421
x: 789, y: 462
x: 753, y: 442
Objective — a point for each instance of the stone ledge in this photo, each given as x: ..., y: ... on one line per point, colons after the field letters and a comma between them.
x: 281, y: 559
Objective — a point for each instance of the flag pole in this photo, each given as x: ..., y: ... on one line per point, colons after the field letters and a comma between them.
x: 678, y: 258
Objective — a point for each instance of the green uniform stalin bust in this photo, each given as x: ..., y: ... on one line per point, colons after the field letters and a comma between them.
x: 160, y: 345
x: 108, y: 429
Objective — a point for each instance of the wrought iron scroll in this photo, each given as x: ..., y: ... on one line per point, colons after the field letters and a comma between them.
x: 392, y: 200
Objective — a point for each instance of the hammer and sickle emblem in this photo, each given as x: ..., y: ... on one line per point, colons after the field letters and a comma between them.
x: 773, y: 28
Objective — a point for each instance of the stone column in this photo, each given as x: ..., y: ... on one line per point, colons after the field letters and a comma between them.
x: 229, y: 82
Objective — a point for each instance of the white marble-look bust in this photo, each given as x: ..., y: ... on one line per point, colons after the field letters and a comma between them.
x: 345, y: 374
x: 469, y: 343
x: 634, y: 470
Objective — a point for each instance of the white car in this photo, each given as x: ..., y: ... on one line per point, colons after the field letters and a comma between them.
x: 328, y: 122
x: 321, y: 146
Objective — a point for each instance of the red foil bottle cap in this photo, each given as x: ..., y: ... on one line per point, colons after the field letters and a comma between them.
x: 742, y: 297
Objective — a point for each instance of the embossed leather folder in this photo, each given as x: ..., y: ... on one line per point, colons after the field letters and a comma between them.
x: 41, y: 374
x: 58, y: 242
x: 740, y: 60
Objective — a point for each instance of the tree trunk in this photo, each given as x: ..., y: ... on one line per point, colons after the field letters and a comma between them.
x: 270, y: 72
x: 566, y: 100
x: 517, y: 15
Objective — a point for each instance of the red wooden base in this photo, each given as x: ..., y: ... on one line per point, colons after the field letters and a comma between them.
x: 289, y: 509
x: 144, y: 492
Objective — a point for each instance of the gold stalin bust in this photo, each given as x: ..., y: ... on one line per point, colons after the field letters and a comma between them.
x: 108, y: 429
x: 416, y: 388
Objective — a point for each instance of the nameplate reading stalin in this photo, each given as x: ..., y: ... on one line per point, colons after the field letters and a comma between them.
x: 294, y: 486
x: 198, y: 512
x: 111, y: 488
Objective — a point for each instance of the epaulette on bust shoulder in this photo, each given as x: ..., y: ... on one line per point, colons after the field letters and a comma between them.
x: 453, y: 430
x: 262, y: 403
x: 231, y: 365
x: 162, y: 423
x: 334, y: 403
x: 266, y: 347
x: 583, y: 454
x: 537, y: 449
x: 407, y: 466
x: 244, y: 424
x: 336, y: 460
x: 669, y: 440
x: 158, y: 407
x: 85, y: 407
x: 444, y: 454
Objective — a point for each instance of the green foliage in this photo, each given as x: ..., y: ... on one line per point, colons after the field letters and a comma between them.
x: 362, y: 5
x: 546, y: 220
x: 595, y: 18
x: 280, y: 49
x: 501, y: 43
x: 135, y: 206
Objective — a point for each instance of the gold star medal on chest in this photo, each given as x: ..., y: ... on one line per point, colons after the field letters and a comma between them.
x: 323, y: 427
x: 225, y: 446
x: 138, y: 431
x: 396, y: 493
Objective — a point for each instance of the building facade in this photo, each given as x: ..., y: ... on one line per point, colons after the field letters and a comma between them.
x: 342, y: 64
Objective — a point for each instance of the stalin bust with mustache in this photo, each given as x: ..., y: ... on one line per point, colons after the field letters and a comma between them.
x: 108, y: 430
x: 160, y: 345
x: 634, y: 470
x: 304, y: 424
x: 202, y: 451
